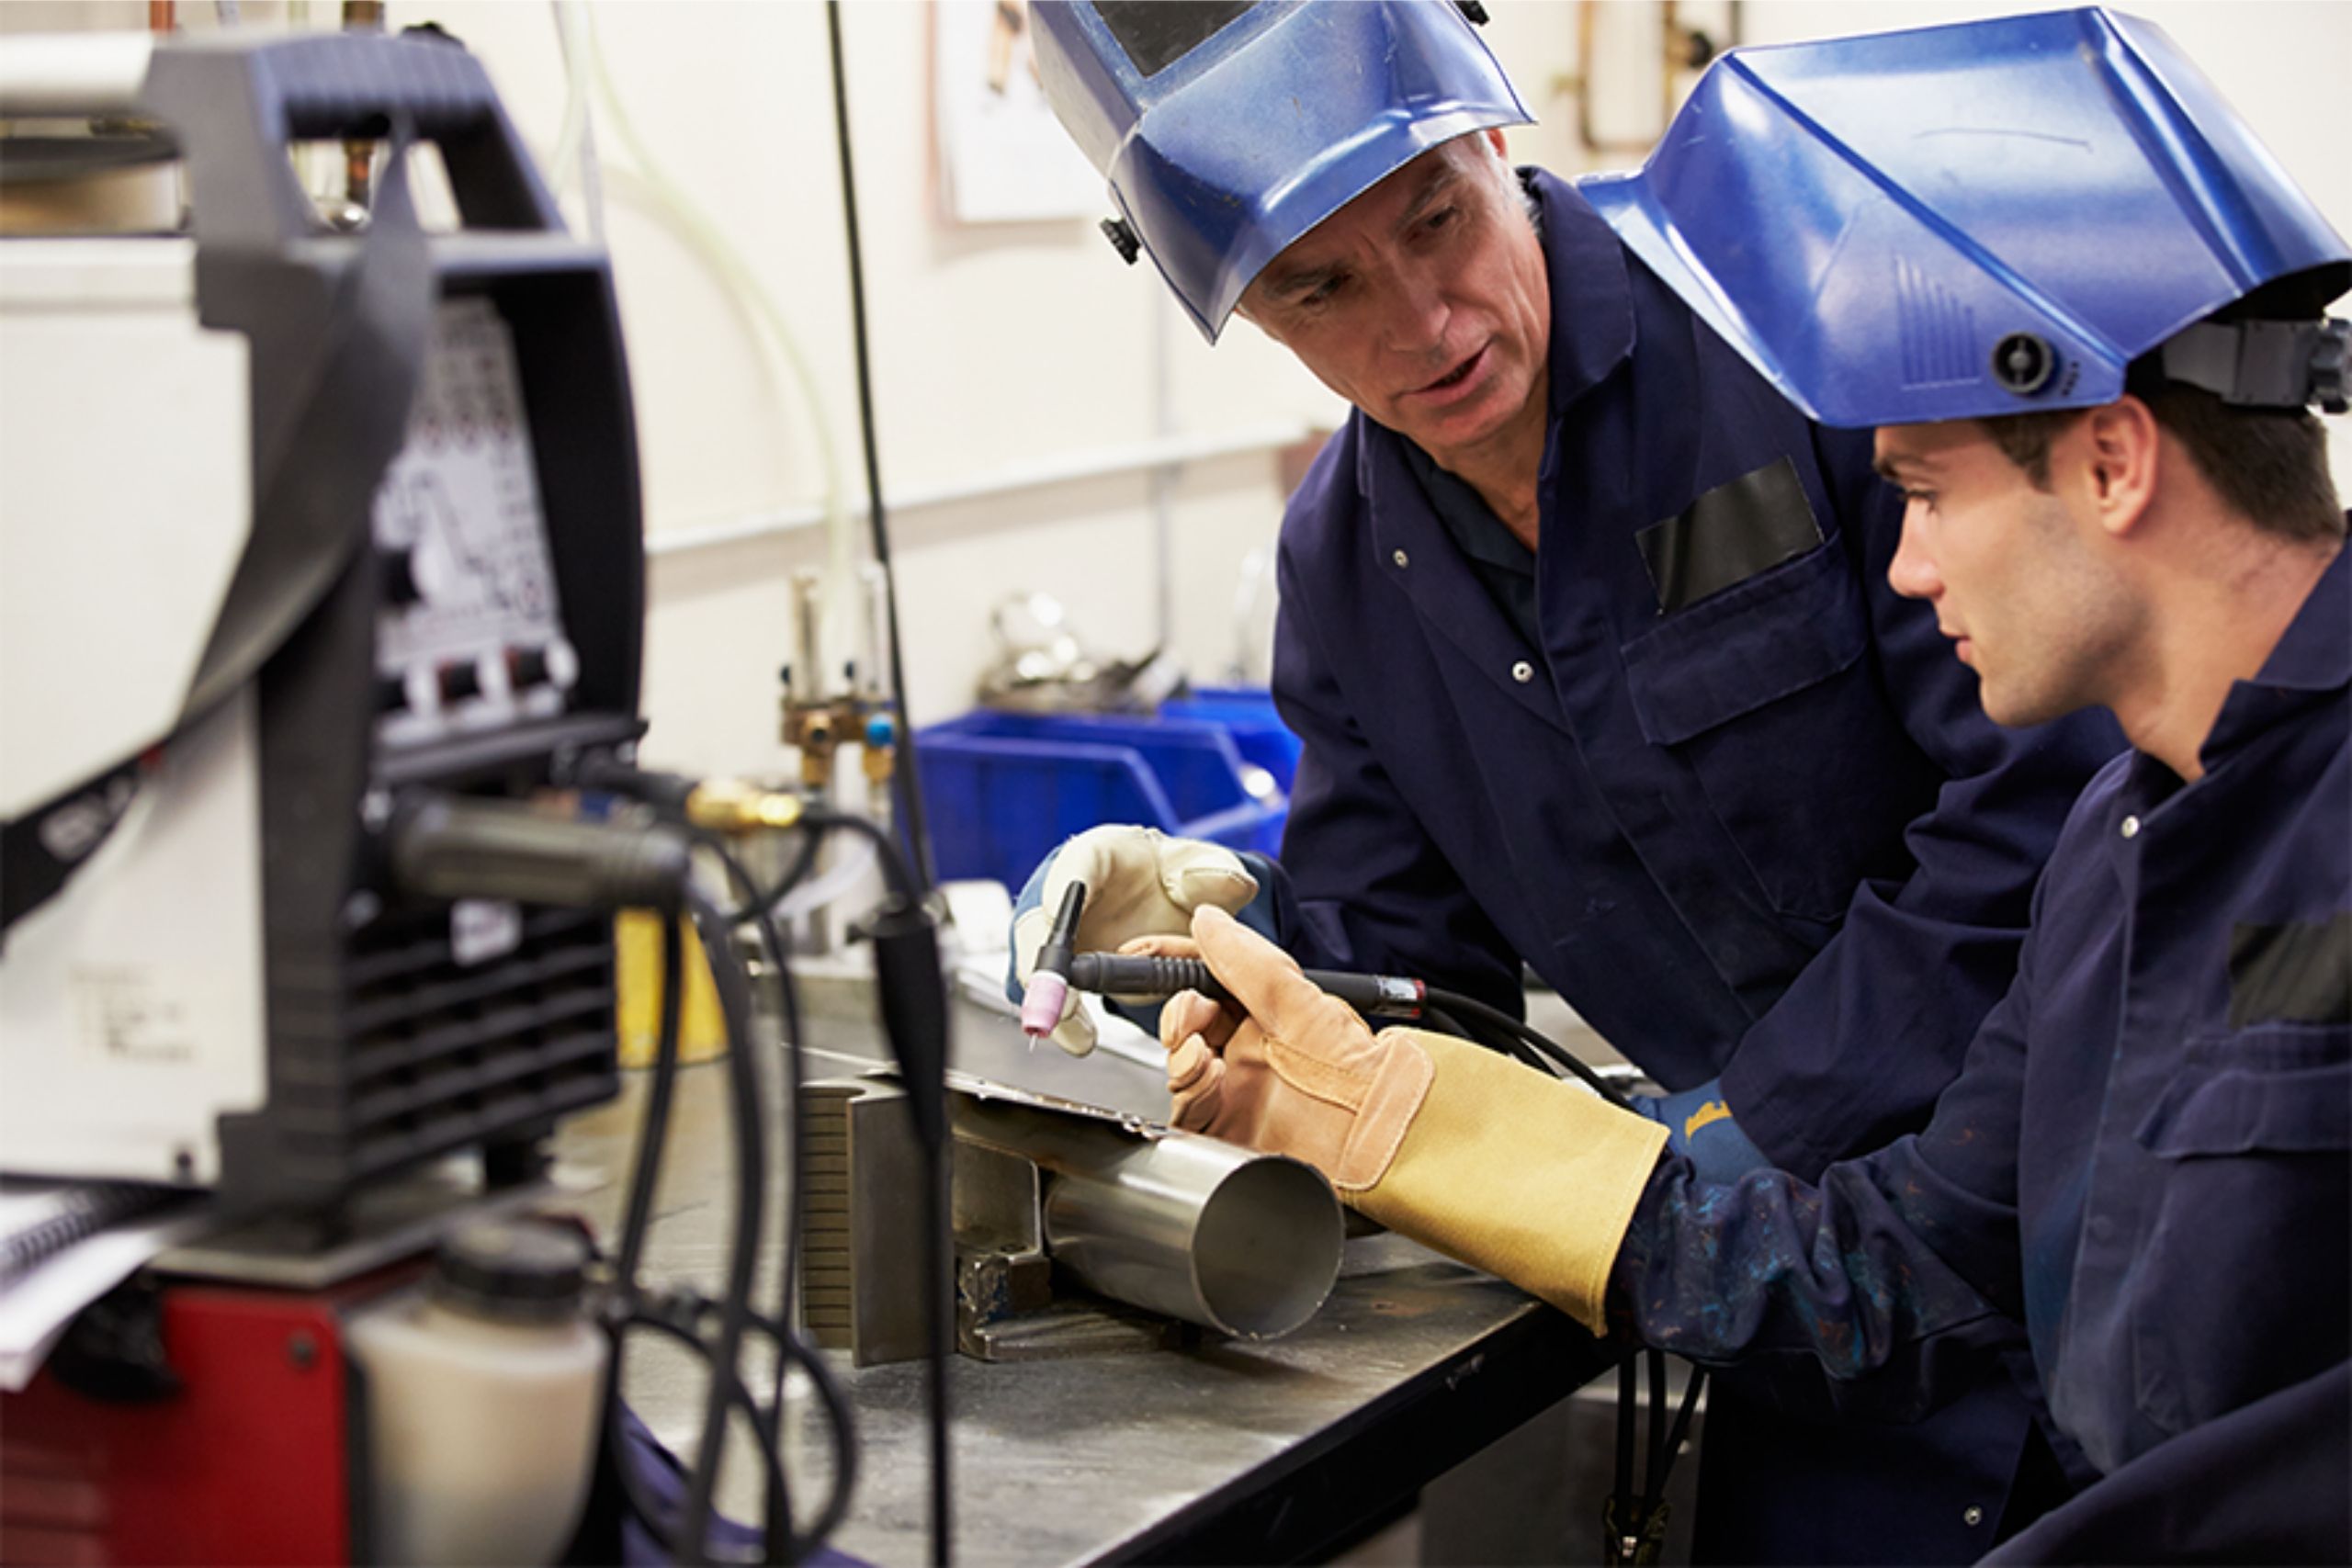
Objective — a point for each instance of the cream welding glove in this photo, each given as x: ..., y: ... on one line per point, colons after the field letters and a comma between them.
x: 1506, y: 1169
x: 1139, y: 883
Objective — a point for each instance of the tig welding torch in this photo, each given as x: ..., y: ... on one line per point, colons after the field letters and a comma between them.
x: 1147, y: 978
x: 1061, y: 969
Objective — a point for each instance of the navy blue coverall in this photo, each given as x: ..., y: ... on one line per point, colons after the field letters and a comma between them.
x: 2144, y: 1160
x: 1741, y: 808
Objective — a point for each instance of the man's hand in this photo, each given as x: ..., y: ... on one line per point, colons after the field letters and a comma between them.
x: 1299, y: 1074
x: 1489, y: 1161
x: 1139, y: 884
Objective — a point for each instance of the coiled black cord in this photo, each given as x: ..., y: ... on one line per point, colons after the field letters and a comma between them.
x: 914, y: 996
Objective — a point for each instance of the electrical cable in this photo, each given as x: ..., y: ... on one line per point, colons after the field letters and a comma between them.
x: 751, y: 1168
x: 729, y: 1389
x: 909, y: 788
x: 1635, y: 1522
x: 1478, y: 1012
x: 652, y: 1134
x: 1656, y: 1473
x: 912, y: 990
x: 775, y: 945
x: 777, y: 1522
x: 939, y: 1263
x: 1628, y: 1406
x: 896, y: 873
x: 844, y: 1432
x: 1444, y: 1023
x: 652, y: 1141
x: 1377, y: 996
x: 1690, y: 1392
x: 843, y: 1424
x: 848, y: 872
x: 672, y: 1313
x: 653, y: 1131
x: 760, y: 902
x: 1501, y: 1044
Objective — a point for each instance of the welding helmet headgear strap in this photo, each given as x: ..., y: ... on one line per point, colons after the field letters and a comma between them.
x: 2266, y: 363
x: 1228, y: 130
x: 1987, y: 218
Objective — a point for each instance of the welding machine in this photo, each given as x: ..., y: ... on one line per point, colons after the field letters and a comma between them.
x: 307, y: 513
x: 298, y: 515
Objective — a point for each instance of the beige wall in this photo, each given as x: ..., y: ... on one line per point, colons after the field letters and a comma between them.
x: 1011, y: 349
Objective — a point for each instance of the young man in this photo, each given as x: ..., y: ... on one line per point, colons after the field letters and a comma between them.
x: 1588, y: 636
x: 2113, y: 497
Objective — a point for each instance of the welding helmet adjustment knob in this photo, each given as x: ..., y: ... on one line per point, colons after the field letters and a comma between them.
x: 1121, y: 235
x: 2022, y: 363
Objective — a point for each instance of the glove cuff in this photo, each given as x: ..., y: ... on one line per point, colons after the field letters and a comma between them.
x: 1515, y: 1172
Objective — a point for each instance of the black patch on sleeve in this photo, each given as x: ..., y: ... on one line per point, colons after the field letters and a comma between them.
x: 2297, y: 973
x: 1158, y: 33
x: 1729, y: 535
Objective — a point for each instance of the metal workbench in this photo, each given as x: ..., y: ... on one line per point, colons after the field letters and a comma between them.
x: 1218, y: 1452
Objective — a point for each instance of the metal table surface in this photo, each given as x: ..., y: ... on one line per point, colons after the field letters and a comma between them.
x: 1218, y: 1451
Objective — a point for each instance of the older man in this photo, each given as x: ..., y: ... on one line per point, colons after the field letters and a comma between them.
x: 2114, y: 497
x: 1587, y: 634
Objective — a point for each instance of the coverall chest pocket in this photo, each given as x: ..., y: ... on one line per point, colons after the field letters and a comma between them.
x: 1763, y: 691
x: 2239, y: 1284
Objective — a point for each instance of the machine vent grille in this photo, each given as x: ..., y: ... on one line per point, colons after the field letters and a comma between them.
x: 443, y: 1055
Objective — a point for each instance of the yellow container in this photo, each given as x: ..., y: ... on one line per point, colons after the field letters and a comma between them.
x: 702, y: 1029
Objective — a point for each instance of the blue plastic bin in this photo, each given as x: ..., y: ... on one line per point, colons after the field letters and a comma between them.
x: 1248, y: 715
x: 1000, y: 790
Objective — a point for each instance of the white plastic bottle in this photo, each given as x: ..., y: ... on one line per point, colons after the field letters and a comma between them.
x: 483, y: 1393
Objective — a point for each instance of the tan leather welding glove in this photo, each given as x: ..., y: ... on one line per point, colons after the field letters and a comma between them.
x: 1504, y: 1167
x: 1139, y: 883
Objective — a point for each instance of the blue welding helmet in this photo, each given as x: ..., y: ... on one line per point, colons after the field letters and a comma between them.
x: 1227, y: 131
x: 1961, y: 222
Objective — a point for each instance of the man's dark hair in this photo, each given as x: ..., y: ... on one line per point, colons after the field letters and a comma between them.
x: 2269, y: 464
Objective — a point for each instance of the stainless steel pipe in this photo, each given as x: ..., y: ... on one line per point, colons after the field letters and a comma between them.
x: 1246, y: 1244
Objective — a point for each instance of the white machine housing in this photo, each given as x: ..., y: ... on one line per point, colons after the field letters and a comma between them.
x: 227, y: 990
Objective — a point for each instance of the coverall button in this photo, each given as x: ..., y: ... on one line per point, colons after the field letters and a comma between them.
x: 2130, y: 827
x: 1398, y: 558
x: 1972, y: 1516
x: 1522, y: 671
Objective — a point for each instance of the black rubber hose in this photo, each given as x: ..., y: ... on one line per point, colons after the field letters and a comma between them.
x: 652, y: 1133
x: 1478, y: 1012
x: 1656, y: 1473
x: 751, y: 1181
x: 775, y: 943
x: 729, y: 1390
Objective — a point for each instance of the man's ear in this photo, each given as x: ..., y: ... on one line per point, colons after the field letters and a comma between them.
x: 2124, y: 444
x: 1495, y: 140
